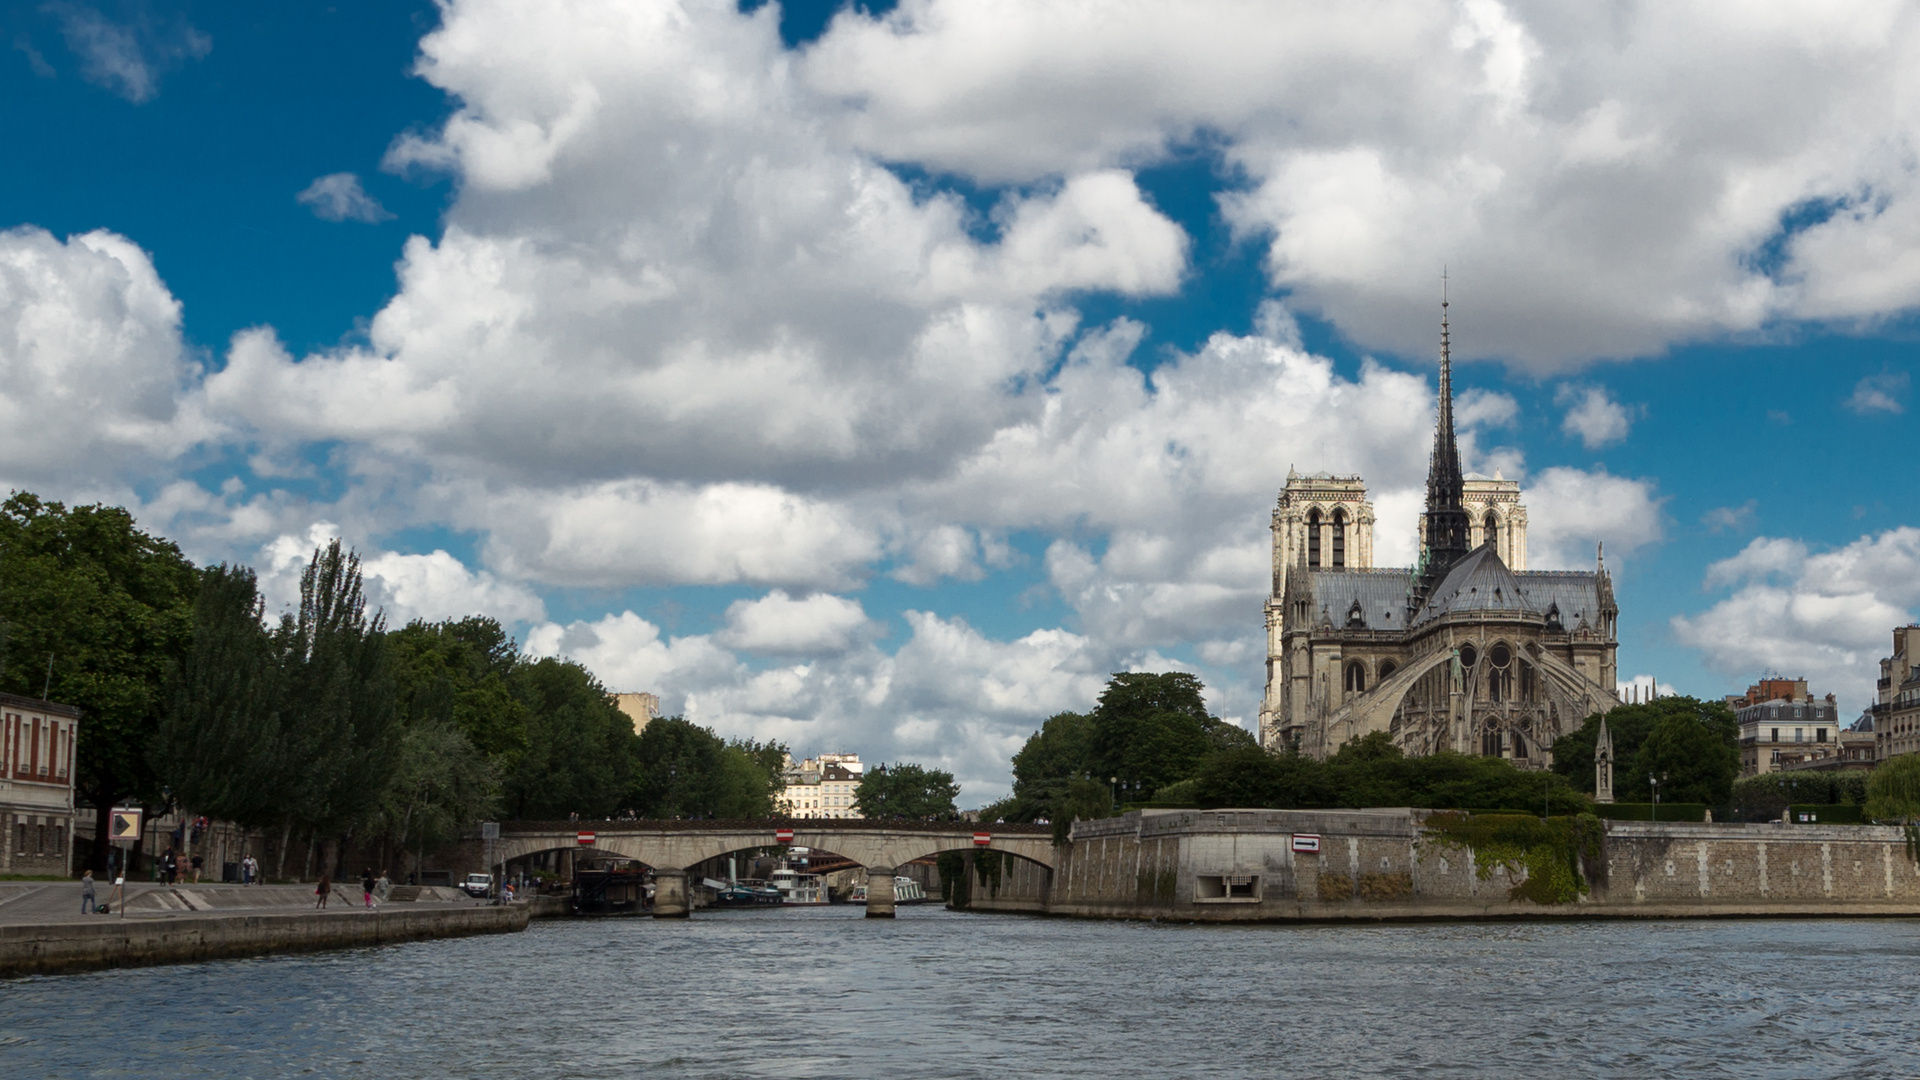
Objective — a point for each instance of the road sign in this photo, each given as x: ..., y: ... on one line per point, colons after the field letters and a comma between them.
x: 783, y: 836
x: 1306, y: 842
x: 584, y: 838
x: 982, y: 839
x: 489, y: 830
x: 125, y: 825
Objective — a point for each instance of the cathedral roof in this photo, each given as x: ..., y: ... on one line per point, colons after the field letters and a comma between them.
x: 1382, y: 595
x: 1478, y: 583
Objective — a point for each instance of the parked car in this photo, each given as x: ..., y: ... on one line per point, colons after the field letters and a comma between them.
x: 478, y: 885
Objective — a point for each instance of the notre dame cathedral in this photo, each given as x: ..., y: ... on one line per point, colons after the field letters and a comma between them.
x: 1468, y: 651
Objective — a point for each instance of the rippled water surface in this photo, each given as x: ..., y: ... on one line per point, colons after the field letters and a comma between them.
x: 823, y: 992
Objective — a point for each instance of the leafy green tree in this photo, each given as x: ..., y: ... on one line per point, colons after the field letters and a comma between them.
x: 1632, y: 725
x: 440, y: 782
x: 1769, y: 794
x: 220, y: 746
x: 461, y: 671
x: 678, y: 770
x: 1371, y: 771
x: 1893, y: 791
x: 579, y: 751
x: 907, y: 791
x: 1051, y: 759
x: 1154, y: 729
x: 98, y: 614
x: 340, y: 724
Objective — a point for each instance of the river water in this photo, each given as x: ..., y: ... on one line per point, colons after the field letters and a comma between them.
x: 824, y: 993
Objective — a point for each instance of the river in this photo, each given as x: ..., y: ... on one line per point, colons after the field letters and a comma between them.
x: 824, y: 993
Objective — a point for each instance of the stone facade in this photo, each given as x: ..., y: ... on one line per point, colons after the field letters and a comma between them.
x: 1782, y: 725
x: 1469, y: 651
x: 36, y: 785
x: 1896, y: 707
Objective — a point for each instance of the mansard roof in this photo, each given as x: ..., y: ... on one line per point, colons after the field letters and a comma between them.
x: 1480, y: 583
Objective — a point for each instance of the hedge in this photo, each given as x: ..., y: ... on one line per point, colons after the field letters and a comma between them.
x: 1825, y: 814
x: 1669, y: 811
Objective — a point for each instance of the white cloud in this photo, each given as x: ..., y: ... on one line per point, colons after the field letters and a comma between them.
x: 127, y: 59
x: 339, y: 197
x: 1570, y: 512
x: 1825, y: 615
x: 1602, y: 181
x: 95, y: 380
x: 438, y: 586
x: 1731, y: 518
x: 1485, y: 408
x: 1595, y: 418
x: 777, y: 624
x: 1878, y: 394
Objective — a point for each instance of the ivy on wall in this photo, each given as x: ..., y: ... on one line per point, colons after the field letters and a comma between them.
x: 1550, y: 852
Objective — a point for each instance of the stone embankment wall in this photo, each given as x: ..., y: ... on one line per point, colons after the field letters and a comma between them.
x: 110, y: 942
x: 1240, y: 865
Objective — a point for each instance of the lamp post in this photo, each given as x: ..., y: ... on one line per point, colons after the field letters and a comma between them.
x: 1655, y: 782
x: 1113, y: 789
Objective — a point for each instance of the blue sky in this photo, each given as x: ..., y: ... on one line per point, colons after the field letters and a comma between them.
x: 880, y: 382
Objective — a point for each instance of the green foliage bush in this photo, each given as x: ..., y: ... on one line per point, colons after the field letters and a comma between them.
x: 1767, y: 796
x: 1825, y: 814
x: 1693, y: 745
x: 1645, y: 812
x: 1550, y: 851
x: 1371, y: 771
x: 1893, y: 791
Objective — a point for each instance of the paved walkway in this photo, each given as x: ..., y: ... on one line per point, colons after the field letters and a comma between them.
x: 35, y: 902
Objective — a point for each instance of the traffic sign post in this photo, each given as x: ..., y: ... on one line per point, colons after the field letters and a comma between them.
x: 1306, y: 843
x: 584, y: 838
x: 982, y: 839
x: 783, y: 836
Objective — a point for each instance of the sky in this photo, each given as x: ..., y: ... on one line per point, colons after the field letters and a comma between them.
x: 881, y: 379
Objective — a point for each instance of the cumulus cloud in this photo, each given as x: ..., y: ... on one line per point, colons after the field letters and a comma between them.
x: 1594, y: 417
x: 1731, y: 518
x: 339, y: 197
x: 780, y: 624
x: 1571, y: 512
x: 1879, y: 394
x: 1822, y: 614
x: 95, y: 380
x: 1603, y: 182
x: 127, y: 58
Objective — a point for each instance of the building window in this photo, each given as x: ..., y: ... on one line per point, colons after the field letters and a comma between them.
x: 1776, y: 735
x: 1493, y: 530
x: 1340, y: 538
x: 1387, y: 667
x: 1313, y: 538
x: 1799, y: 734
x: 1356, y: 678
x: 1820, y: 735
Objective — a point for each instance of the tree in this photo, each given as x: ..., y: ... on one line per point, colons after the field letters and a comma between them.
x: 685, y: 770
x: 440, y: 782
x: 98, y: 614
x: 461, y: 671
x: 1893, y: 791
x: 579, y: 746
x: 1371, y: 771
x: 1709, y: 780
x: 1052, y: 758
x: 220, y: 745
x: 907, y: 791
x: 1153, y: 729
x: 340, y: 724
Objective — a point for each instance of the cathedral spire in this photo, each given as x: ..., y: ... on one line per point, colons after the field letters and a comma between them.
x: 1446, y: 515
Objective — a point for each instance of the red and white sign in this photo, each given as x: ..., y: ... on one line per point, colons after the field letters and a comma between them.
x: 784, y: 836
x: 584, y: 838
x: 1306, y: 842
x: 982, y: 839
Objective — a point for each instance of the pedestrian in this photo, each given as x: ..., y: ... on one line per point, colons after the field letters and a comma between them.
x: 170, y: 868
x: 248, y: 868
x: 366, y: 886
x: 86, y: 893
x: 199, y: 863
x: 321, y: 891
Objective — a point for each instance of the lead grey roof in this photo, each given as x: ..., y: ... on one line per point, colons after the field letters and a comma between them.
x: 1382, y: 595
x: 1575, y: 592
x: 1479, y: 583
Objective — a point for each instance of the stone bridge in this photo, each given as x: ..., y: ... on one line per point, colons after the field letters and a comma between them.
x: 670, y: 847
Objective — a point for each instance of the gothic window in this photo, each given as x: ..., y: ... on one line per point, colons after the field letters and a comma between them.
x: 1493, y: 530
x: 1468, y: 655
x: 1313, y: 538
x: 1519, y: 745
x: 1340, y: 538
x: 1387, y: 667
x: 1356, y: 678
x: 1500, y: 677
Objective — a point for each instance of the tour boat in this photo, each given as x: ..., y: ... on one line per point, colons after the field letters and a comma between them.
x: 799, y: 889
x: 744, y: 892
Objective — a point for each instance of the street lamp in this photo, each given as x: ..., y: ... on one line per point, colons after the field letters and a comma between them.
x: 1655, y: 782
x: 1113, y: 789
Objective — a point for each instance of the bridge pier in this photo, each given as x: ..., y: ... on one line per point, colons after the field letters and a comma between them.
x: 670, y: 894
x: 879, y: 892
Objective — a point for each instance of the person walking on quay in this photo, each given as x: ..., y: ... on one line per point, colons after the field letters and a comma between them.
x: 321, y: 890
x: 248, y: 868
x: 199, y: 863
x: 366, y: 886
x: 170, y: 868
x: 86, y: 893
